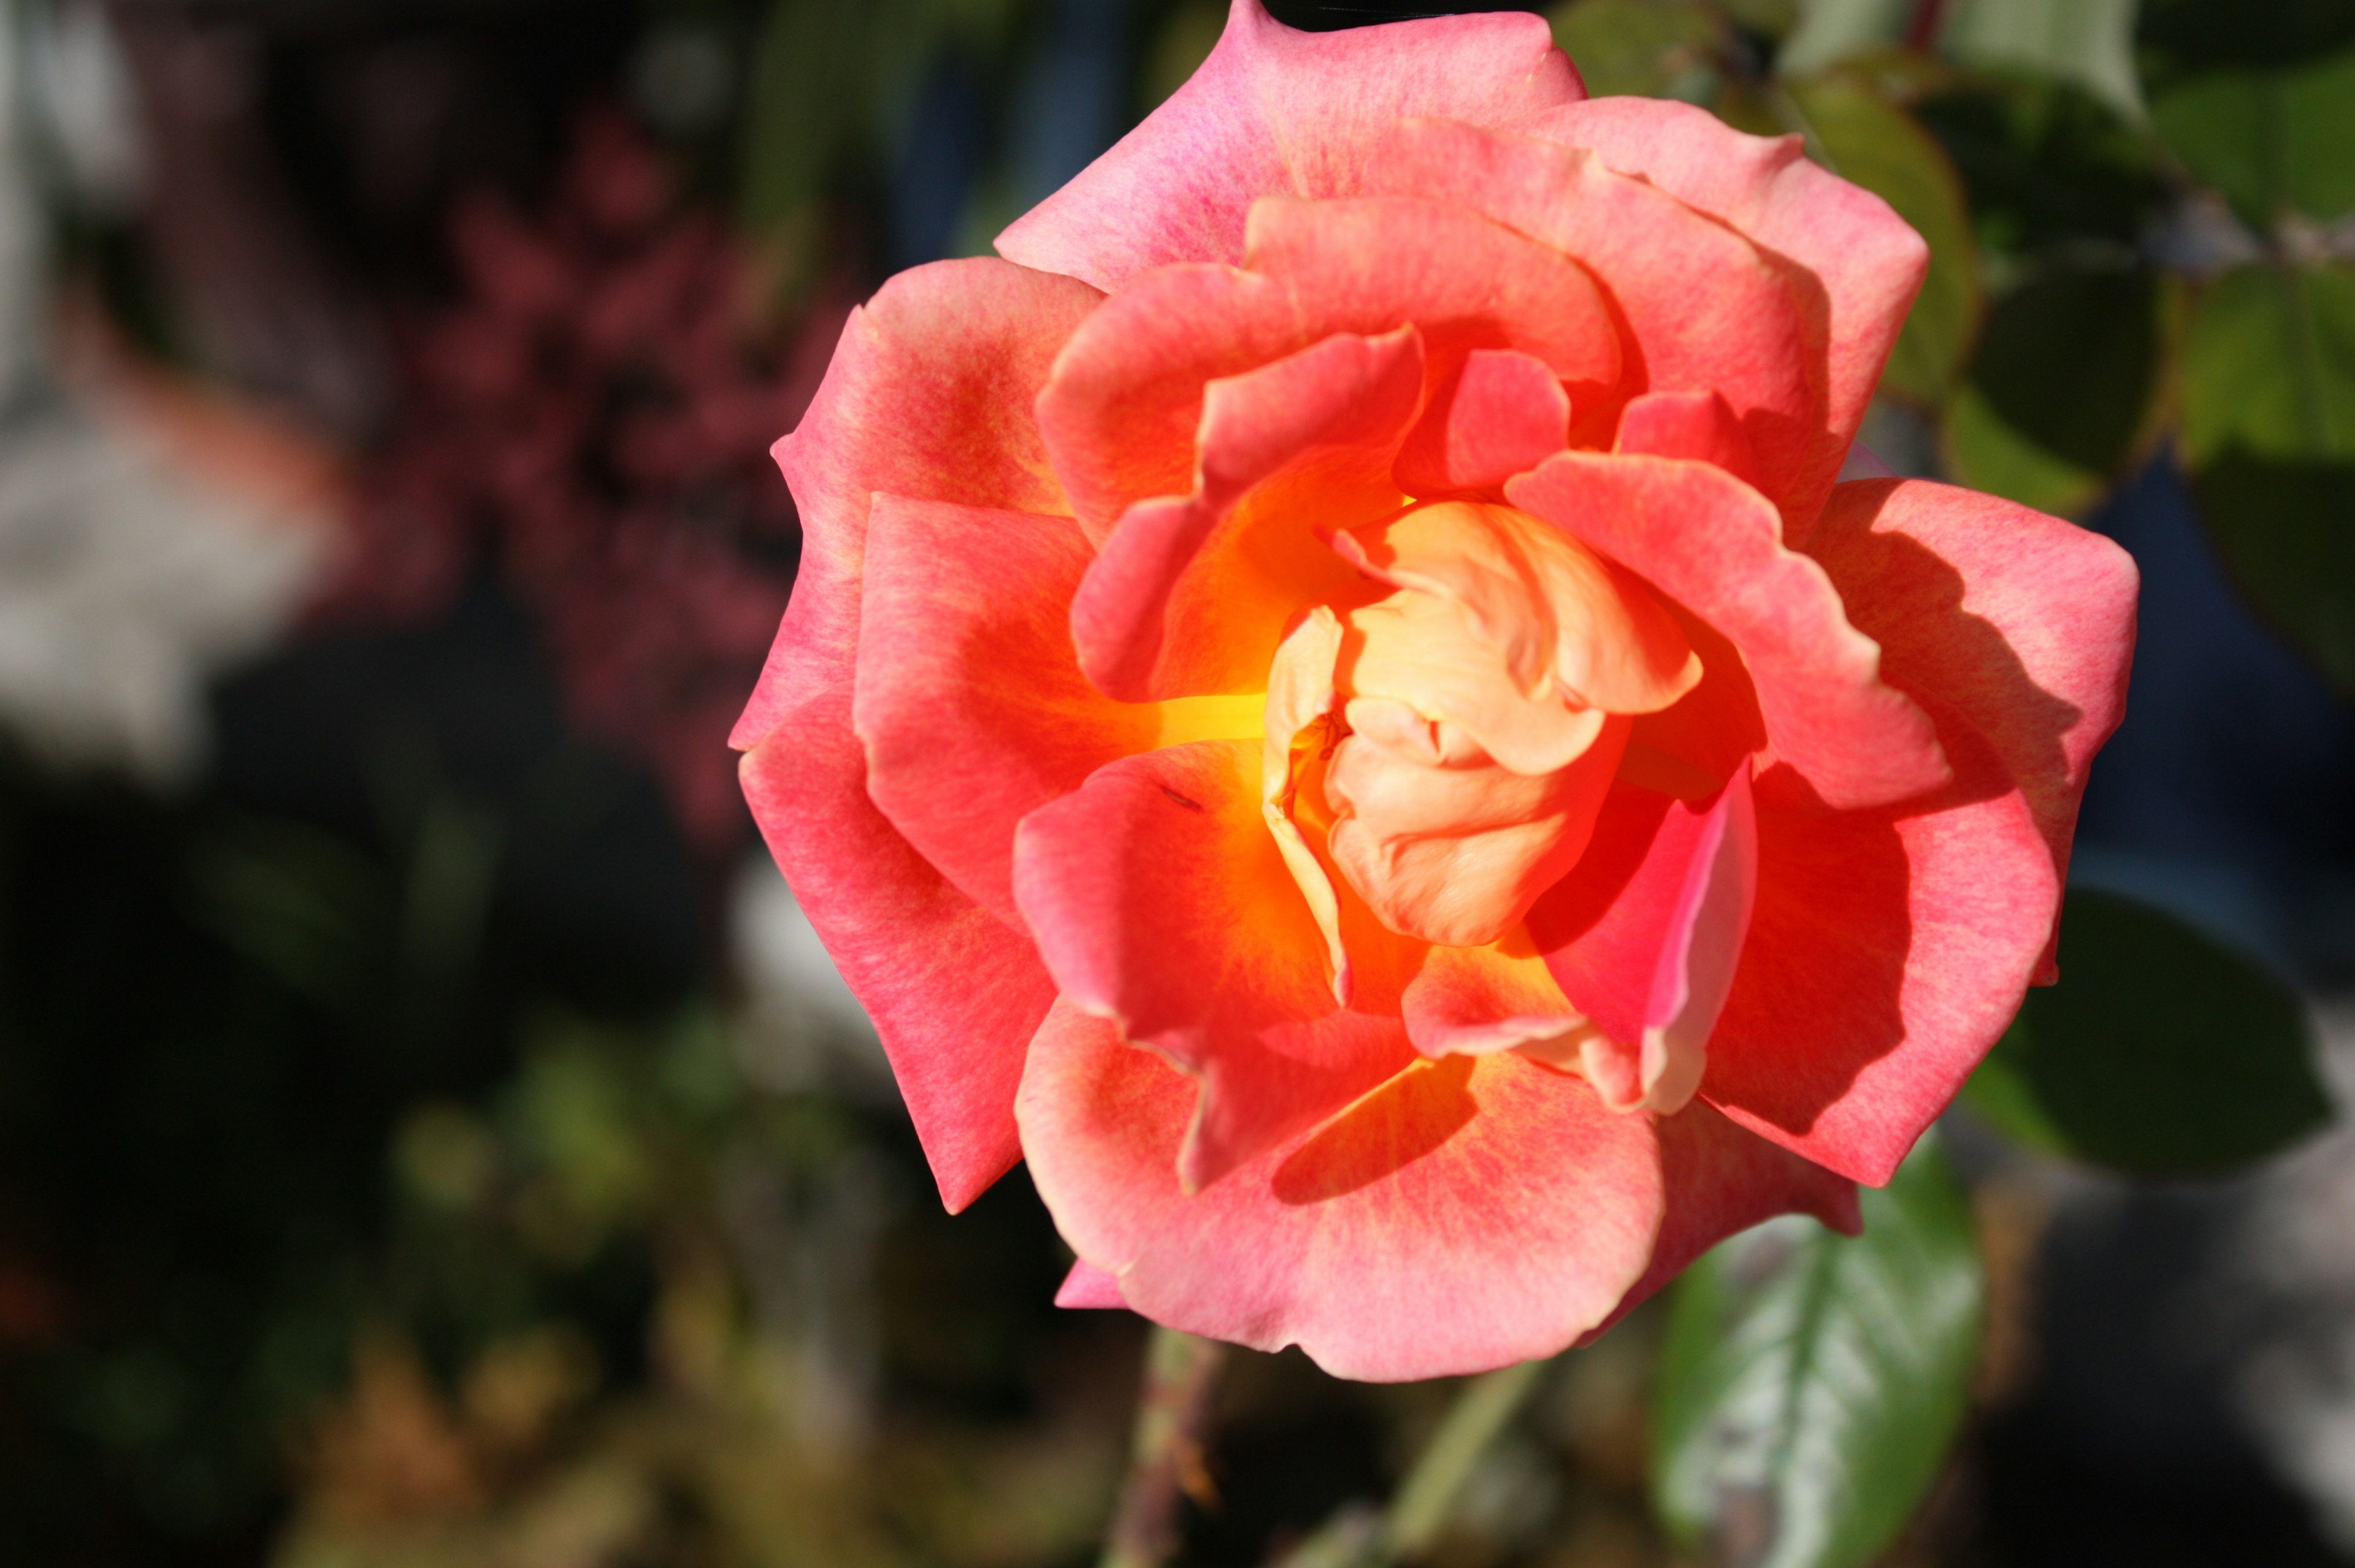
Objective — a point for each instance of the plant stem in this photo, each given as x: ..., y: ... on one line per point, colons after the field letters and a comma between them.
x: 1357, y: 1538
x: 1428, y: 1494
x: 1164, y: 1457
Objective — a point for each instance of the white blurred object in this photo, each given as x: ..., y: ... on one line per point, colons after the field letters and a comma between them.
x: 126, y: 579
x: 79, y: 99
x: 122, y: 587
x: 804, y: 1028
x: 2296, y: 1266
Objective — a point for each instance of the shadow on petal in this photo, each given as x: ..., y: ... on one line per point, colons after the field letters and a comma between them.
x: 1407, y: 1118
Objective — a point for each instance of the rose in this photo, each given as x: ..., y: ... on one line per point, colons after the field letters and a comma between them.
x: 1335, y: 704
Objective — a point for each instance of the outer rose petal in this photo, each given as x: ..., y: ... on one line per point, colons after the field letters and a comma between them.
x: 928, y: 396
x: 1191, y: 593
x: 1645, y: 934
x: 1706, y: 540
x: 953, y: 992
x: 1087, y: 1286
x: 971, y: 704
x: 1868, y: 262
x: 1158, y: 898
x: 1467, y: 1214
x: 925, y: 396
x: 1721, y: 1180
x: 1886, y: 954
x: 1273, y: 111
x: 2021, y: 623
x: 1707, y: 309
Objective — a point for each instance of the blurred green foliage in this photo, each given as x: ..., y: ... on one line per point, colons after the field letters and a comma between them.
x: 2159, y: 1054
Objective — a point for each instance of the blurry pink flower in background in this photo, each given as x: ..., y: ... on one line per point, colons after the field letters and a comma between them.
x: 1335, y: 702
x: 594, y: 412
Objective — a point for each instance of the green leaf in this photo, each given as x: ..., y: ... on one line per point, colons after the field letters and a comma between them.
x: 1810, y: 1383
x: 1653, y: 49
x: 2046, y: 163
x: 2269, y: 439
x: 1866, y: 139
x: 2273, y: 140
x: 2160, y: 1053
x: 2063, y: 388
x: 2089, y: 42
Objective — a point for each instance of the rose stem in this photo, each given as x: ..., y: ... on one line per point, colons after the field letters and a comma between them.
x: 1165, y: 1457
x: 1357, y: 1538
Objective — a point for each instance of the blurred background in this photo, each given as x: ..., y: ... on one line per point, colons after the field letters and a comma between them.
x: 431, y: 1136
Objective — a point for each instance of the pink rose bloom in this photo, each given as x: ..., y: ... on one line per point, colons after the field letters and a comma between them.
x: 1335, y: 702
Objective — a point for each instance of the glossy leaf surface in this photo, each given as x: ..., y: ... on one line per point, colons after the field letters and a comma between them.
x: 1810, y: 1383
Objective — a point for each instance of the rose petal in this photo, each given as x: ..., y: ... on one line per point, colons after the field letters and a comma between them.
x: 1566, y: 624
x: 1274, y: 111
x: 954, y: 993
x: 1471, y: 1001
x: 1722, y: 1180
x: 1697, y: 426
x: 1707, y: 309
x: 1504, y: 412
x: 969, y: 698
x: 1886, y: 954
x: 2021, y: 623
x: 1158, y: 898
x: 1706, y: 540
x: 915, y: 400
x: 1866, y: 262
x: 1467, y: 1214
x: 1190, y: 595
x: 928, y: 396
x: 1122, y: 413
x: 1089, y: 1287
x: 1645, y: 933
x: 1124, y: 408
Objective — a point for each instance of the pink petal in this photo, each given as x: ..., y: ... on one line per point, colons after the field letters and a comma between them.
x: 1191, y: 593
x: 1697, y: 426
x: 926, y: 396
x: 1470, y: 1002
x: 1158, y: 899
x: 1272, y: 112
x: 1706, y: 540
x: 2022, y: 624
x: 1862, y: 262
x: 1505, y: 413
x: 1707, y: 309
x: 1089, y: 1287
x: 1887, y: 952
x: 1643, y: 936
x: 1123, y: 412
x: 1722, y: 1180
x: 969, y: 698
x: 954, y: 994
x: 1468, y: 1214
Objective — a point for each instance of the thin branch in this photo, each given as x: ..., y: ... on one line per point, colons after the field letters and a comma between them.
x: 1165, y: 1461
